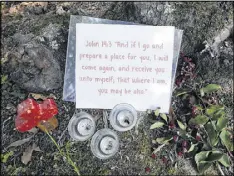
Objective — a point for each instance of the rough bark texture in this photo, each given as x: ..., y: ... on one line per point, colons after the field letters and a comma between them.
x: 201, y: 21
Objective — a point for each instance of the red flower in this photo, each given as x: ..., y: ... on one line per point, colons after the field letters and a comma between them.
x: 147, y: 169
x: 180, y: 154
x: 164, y: 160
x: 27, y: 109
x: 187, y: 59
x: 179, y: 81
x: 194, y: 111
x: 198, y: 138
x: 23, y: 125
x: 171, y: 125
x: 30, y: 113
x: 47, y: 109
x: 184, y: 144
x: 175, y: 138
x: 153, y: 156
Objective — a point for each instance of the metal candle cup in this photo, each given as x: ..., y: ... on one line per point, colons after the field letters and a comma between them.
x: 81, y: 126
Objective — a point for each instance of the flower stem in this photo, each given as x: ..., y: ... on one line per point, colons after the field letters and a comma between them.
x: 65, y: 155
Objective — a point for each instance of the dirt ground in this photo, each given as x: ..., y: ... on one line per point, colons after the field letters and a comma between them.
x: 135, y: 153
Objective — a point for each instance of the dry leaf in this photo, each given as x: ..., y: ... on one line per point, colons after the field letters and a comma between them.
x: 27, y: 155
x: 19, y: 142
x: 33, y: 130
x: 159, y: 148
x: 52, y: 96
x: 48, y: 125
x: 40, y: 96
x: 37, y: 149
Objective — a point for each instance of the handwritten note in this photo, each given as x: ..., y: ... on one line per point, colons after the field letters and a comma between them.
x: 123, y: 64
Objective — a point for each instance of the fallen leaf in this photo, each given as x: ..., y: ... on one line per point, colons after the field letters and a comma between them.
x: 19, y: 142
x: 37, y: 149
x: 33, y: 130
x: 38, y: 96
x: 159, y: 148
x: 156, y: 125
x: 48, y: 125
x: 163, y: 140
x: 182, y: 92
x: 52, y: 96
x: 27, y: 155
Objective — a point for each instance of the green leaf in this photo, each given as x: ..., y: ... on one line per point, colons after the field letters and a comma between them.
x: 213, y: 136
x: 210, y: 88
x: 156, y: 125
x: 202, y: 92
x: 218, y: 114
x: 182, y: 133
x: 226, y: 139
x: 198, y: 107
x: 215, y: 111
x: 4, y: 157
x: 181, y: 125
x: 198, y: 120
x: 3, y: 79
x: 156, y: 112
x: 192, y: 147
x: 163, y: 140
x: 182, y: 92
x: 225, y: 160
x: 205, y: 159
x: 163, y: 116
x: 214, y: 156
x: 200, y: 158
x: 221, y: 123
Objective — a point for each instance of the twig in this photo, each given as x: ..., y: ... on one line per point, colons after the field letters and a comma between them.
x: 60, y: 137
x: 220, y: 170
x: 5, y: 122
x: 138, y: 122
x: 105, y: 116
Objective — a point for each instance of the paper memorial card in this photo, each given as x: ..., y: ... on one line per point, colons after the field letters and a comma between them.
x: 124, y: 64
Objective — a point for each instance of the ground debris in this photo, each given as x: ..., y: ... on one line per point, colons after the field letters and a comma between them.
x: 19, y: 142
x: 27, y: 155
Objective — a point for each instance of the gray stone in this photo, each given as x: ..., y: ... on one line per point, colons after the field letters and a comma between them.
x: 32, y: 65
